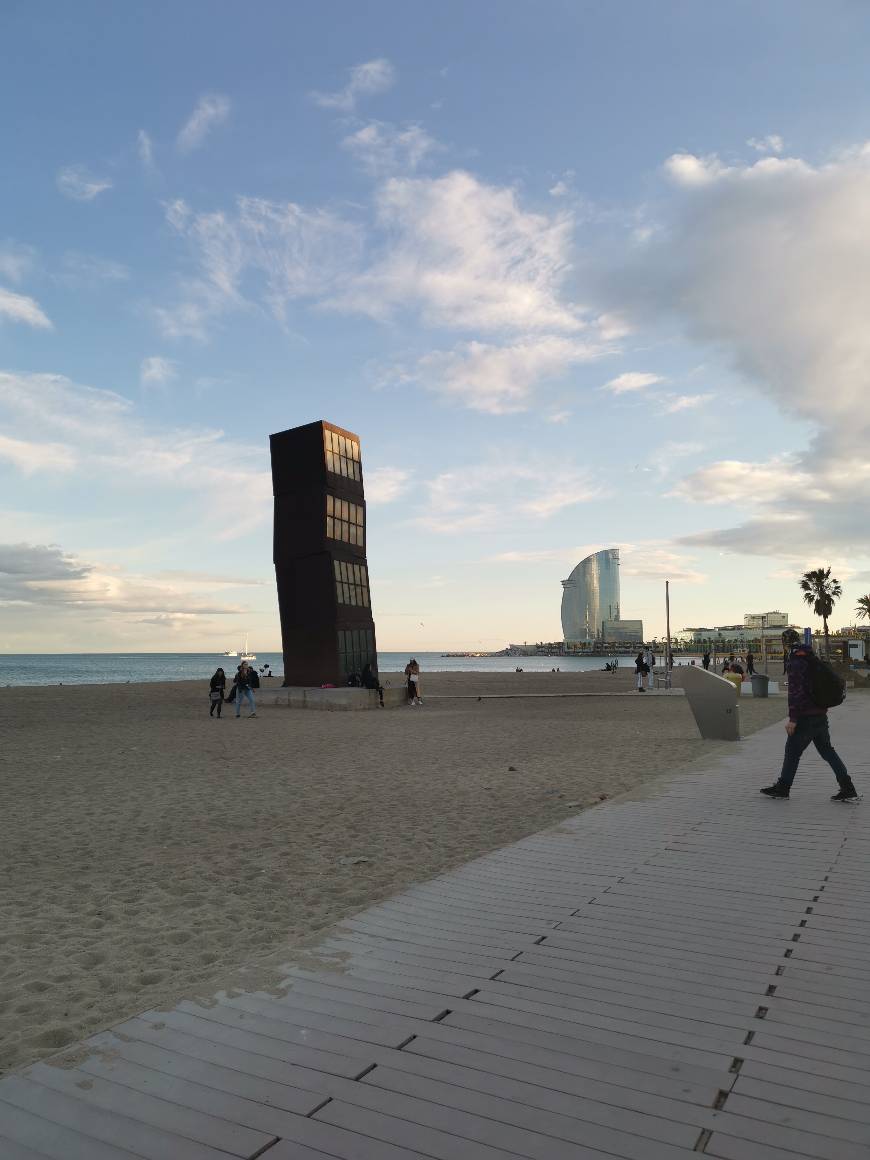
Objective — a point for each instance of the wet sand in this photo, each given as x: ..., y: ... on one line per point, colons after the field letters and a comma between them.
x: 148, y: 851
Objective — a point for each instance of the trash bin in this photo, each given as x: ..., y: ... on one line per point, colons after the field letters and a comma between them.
x: 759, y: 684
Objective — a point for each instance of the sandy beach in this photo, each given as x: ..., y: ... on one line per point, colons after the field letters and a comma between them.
x: 148, y: 851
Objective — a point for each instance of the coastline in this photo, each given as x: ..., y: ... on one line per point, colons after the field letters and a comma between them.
x: 149, y: 851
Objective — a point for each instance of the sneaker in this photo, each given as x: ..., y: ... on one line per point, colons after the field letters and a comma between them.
x: 250, y: 715
x: 846, y: 795
x: 774, y: 791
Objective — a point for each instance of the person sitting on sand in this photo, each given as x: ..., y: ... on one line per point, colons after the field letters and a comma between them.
x: 243, y: 689
x: 412, y: 672
x: 216, y: 692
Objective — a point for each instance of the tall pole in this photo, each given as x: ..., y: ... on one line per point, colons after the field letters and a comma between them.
x: 668, y: 627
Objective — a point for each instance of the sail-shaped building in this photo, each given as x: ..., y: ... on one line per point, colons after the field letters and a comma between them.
x: 590, y: 603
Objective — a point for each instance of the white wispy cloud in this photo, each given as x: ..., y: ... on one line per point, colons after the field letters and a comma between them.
x: 32, y: 456
x: 365, y: 80
x: 493, y: 496
x: 262, y: 252
x: 104, y: 434
x: 156, y: 370
x: 145, y: 148
x: 382, y: 148
x: 386, y: 484
x: 21, y: 308
x: 78, y: 183
x: 772, y: 143
x: 89, y: 270
x: 212, y: 110
x: 16, y: 261
x: 671, y: 404
x: 466, y: 256
x: 502, y: 379
x: 632, y: 381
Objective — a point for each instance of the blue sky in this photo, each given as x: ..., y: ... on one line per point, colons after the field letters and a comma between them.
x: 579, y: 275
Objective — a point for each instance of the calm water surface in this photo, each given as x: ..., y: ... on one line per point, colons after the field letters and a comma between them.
x: 117, y: 668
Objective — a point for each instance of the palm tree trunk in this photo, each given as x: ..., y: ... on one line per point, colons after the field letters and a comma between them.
x: 825, y: 627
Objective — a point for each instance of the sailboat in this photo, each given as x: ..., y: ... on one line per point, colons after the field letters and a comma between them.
x: 231, y: 652
x: 244, y: 654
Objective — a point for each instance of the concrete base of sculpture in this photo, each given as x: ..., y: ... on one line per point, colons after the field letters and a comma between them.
x: 713, y: 702
x: 339, y: 700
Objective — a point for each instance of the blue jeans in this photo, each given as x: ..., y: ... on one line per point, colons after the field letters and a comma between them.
x: 812, y: 729
x: 244, y: 693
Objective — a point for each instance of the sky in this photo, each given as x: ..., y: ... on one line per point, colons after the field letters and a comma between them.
x: 579, y: 274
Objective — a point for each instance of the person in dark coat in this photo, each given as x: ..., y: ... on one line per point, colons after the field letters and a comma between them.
x: 216, y: 692
x: 370, y: 681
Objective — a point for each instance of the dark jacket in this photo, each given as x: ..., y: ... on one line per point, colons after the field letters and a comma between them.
x: 243, y: 682
x: 217, y: 683
x: 800, y: 699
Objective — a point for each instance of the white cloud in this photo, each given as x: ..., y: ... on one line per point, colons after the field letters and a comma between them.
x: 47, y: 580
x: 494, y: 497
x: 16, y: 261
x: 367, y: 79
x: 560, y: 189
x: 386, y: 484
x: 675, y: 403
x: 688, y: 170
x: 31, y: 456
x: 632, y: 381
x: 21, y: 308
x: 467, y: 257
x: 383, y: 149
x: 211, y: 110
x: 157, y: 370
x: 76, y: 182
x: 772, y: 143
x: 102, y: 433
x: 145, y: 148
x: 264, y: 252
x: 644, y: 560
x: 769, y: 264
x: 558, y: 417
x: 502, y: 379
x: 89, y: 271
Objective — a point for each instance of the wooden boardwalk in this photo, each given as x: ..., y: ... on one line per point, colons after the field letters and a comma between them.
x: 679, y: 972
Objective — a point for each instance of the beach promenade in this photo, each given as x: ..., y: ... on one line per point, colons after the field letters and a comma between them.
x: 682, y: 970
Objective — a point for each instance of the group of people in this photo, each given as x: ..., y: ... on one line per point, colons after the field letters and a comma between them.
x: 644, y: 666
x: 733, y: 664
x: 244, y: 683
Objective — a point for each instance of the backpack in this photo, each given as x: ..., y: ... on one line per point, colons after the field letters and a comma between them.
x: 826, y: 688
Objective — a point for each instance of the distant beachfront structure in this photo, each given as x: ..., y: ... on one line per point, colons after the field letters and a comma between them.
x: 590, y: 603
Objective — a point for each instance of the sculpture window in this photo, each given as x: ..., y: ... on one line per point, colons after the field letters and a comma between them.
x: 345, y: 521
x: 356, y: 649
x: 342, y: 455
x: 351, y: 584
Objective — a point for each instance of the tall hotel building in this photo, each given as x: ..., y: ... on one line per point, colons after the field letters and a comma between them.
x: 590, y: 603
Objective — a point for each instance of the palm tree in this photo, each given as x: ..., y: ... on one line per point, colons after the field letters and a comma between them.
x: 863, y: 609
x: 820, y: 590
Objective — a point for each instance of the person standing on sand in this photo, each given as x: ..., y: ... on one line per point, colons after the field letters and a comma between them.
x: 640, y: 667
x: 412, y: 672
x: 705, y: 660
x: 807, y: 722
x: 750, y: 663
x: 216, y: 692
x: 649, y: 659
x: 243, y: 689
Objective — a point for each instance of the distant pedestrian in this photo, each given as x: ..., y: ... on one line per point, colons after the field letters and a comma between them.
x: 412, y: 672
x: 216, y: 692
x: 649, y: 660
x: 705, y: 660
x: 243, y: 689
x: 750, y: 663
x: 640, y: 670
x: 808, y: 720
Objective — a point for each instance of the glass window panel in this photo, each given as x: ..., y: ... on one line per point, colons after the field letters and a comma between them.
x: 336, y: 567
x: 330, y: 505
x: 330, y: 531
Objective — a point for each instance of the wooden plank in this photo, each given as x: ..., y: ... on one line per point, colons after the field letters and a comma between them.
x: 121, y: 1132
x: 42, y: 1137
x: 588, y: 1122
x: 179, y: 1119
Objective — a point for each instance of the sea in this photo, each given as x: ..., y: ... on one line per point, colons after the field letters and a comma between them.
x: 137, y: 668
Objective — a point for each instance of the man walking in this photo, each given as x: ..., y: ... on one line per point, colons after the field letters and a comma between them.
x: 243, y: 683
x: 807, y: 722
